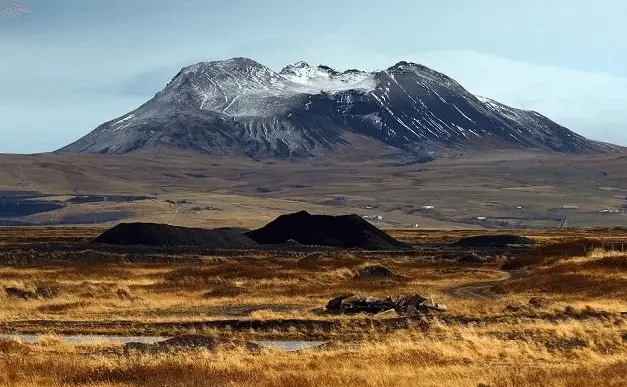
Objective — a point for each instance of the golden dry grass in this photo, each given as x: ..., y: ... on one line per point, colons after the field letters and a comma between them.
x: 562, y: 354
x: 578, y: 337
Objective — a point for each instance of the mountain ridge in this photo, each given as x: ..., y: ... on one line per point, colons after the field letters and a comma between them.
x: 241, y: 107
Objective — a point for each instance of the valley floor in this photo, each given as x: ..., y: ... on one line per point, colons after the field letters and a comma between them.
x: 492, y: 190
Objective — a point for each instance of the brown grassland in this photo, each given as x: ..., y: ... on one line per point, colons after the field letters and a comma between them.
x: 575, y: 335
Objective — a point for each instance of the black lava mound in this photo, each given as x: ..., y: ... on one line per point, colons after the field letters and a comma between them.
x: 493, y: 241
x: 152, y: 234
x: 348, y: 231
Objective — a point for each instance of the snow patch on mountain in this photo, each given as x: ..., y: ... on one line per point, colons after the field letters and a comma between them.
x: 324, y: 78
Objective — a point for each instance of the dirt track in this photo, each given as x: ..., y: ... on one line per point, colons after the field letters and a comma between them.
x: 478, y: 290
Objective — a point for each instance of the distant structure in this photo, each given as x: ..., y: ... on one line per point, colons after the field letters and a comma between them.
x: 564, y: 222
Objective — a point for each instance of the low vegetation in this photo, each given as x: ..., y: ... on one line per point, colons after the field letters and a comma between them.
x: 547, y: 318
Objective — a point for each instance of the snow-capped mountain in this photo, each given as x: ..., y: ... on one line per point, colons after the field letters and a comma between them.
x: 239, y: 106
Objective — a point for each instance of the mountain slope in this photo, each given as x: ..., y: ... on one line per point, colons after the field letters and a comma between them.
x: 240, y: 107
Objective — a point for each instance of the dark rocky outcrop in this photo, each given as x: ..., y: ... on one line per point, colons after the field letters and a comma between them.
x: 347, y: 231
x: 500, y: 240
x: 151, y: 234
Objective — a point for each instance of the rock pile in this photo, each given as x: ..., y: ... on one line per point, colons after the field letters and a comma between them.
x: 403, y: 305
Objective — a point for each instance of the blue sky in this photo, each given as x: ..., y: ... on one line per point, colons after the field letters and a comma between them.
x: 70, y: 65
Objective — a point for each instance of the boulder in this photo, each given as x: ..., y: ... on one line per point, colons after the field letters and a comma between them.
x: 336, y: 303
x: 376, y: 271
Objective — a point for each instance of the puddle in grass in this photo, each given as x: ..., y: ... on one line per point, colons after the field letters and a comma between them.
x: 289, y: 345
x: 87, y: 339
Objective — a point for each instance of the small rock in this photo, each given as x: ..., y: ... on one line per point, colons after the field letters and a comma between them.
x: 254, y: 347
x: 411, y: 310
x: 471, y: 258
x: 403, y: 301
x: 387, y: 314
x: 47, y: 290
x: 20, y: 293
x: 136, y: 347
x: 376, y: 271
x: 512, y: 309
x: 538, y: 302
x: 429, y: 304
x: 349, y: 301
x: 124, y: 295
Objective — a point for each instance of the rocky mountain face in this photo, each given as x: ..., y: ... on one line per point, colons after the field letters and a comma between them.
x: 240, y: 107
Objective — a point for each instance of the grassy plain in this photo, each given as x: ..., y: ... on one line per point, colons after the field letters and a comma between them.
x: 574, y: 335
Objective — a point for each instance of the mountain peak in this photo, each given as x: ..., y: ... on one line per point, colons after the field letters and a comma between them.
x: 233, y: 64
x: 239, y: 106
x: 404, y: 66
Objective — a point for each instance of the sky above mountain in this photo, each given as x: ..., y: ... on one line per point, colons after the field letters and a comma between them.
x: 67, y: 66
